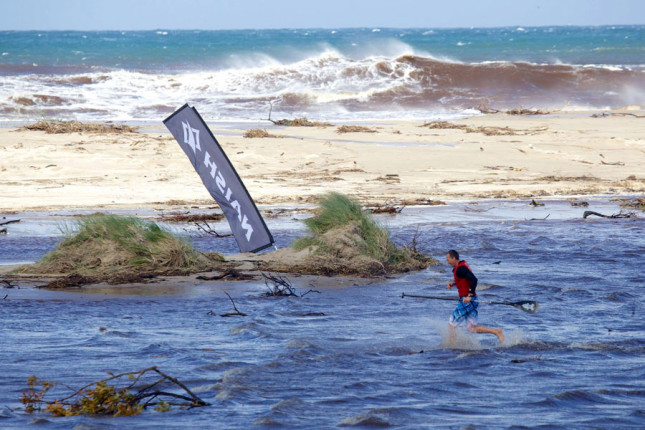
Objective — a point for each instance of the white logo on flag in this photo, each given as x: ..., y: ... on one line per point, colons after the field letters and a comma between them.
x: 191, y: 136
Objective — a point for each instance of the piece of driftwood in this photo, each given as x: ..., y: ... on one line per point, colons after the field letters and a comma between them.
x: 281, y: 287
x: 7, y: 283
x: 386, y: 209
x: 188, y: 217
x: 578, y: 204
x: 539, y: 219
x: 11, y: 221
x: 618, y: 215
x: 524, y: 111
x: 130, y: 399
x: 237, y: 311
x: 606, y: 114
x: 615, y: 163
x: 206, y: 228
x: 231, y: 273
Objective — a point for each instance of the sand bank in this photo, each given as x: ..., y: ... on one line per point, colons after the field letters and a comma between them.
x: 490, y: 156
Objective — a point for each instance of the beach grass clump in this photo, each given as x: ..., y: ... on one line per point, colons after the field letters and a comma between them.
x: 345, y: 239
x: 106, y: 247
x: 64, y: 127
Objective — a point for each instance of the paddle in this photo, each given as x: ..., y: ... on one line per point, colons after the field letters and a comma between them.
x: 525, y: 305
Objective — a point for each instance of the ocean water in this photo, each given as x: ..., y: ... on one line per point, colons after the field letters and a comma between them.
x: 361, y: 356
x: 344, y: 74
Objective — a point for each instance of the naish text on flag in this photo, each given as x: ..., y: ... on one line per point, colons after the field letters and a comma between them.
x: 191, y: 138
x: 220, y: 179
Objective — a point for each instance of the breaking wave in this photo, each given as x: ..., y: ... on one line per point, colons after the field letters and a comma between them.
x: 327, y: 85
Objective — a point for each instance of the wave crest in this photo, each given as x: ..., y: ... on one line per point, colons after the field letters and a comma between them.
x: 323, y: 83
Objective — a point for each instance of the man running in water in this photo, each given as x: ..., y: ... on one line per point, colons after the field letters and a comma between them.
x: 466, y: 310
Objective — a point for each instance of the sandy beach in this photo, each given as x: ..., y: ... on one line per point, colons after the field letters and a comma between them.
x: 497, y: 156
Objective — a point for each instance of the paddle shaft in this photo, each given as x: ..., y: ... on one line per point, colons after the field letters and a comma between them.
x: 525, y: 305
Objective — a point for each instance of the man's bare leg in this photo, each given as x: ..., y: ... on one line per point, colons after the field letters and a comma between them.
x: 453, y: 334
x: 483, y: 329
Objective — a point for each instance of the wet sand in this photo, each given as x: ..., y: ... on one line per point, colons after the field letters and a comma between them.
x: 497, y: 156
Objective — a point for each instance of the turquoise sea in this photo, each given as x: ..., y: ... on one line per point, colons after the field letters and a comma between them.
x: 326, y: 74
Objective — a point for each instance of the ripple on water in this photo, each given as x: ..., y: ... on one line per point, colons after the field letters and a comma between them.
x: 579, y: 397
x: 288, y: 406
x: 251, y: 329
x: 620, y: 296
x: 372, y: 418
x: 235, y: 383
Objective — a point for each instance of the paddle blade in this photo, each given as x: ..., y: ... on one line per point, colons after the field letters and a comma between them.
x: 527, y: 306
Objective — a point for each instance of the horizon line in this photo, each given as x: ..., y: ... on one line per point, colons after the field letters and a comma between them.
x: 332, y: 28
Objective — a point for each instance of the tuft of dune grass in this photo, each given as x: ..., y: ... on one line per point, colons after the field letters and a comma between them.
x: 103, y: 246
x: 345, y: 239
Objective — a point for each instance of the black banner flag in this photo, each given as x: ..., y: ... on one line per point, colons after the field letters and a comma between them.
x: 220, y: 179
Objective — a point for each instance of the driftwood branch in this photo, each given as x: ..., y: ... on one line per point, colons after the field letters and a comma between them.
x: 11, y: 221
x: 112, y: 377
x: 618, y: 215
x: 196, y: 400
x: 539, y: 219
x: 206, y: 228
x: 237, y: 311
x: 270, y: 110
x: 231, y: 273
x: 281, y: 287
x: 605, y: 114
x: 386, y: 209
x: 7, y: 283
x: 310, y: 291
x: 144, y: 392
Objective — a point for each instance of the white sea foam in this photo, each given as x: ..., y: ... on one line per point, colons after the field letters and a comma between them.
x: 375, y: 80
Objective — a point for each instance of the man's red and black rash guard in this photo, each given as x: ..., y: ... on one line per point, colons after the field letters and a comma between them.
x: 465, y: 279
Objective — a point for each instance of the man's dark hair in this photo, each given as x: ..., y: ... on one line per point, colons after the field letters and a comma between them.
x: 454, y: 254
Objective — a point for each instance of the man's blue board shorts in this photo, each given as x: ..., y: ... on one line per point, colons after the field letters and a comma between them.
x: 465, y: 312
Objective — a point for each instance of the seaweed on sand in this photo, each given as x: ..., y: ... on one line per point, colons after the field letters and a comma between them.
x: 300, y: 122
x: 354, y: 129
x: 63, y: 127
x: 258, y: 133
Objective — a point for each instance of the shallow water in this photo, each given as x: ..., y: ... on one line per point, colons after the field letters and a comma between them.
x: 577, y: 363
